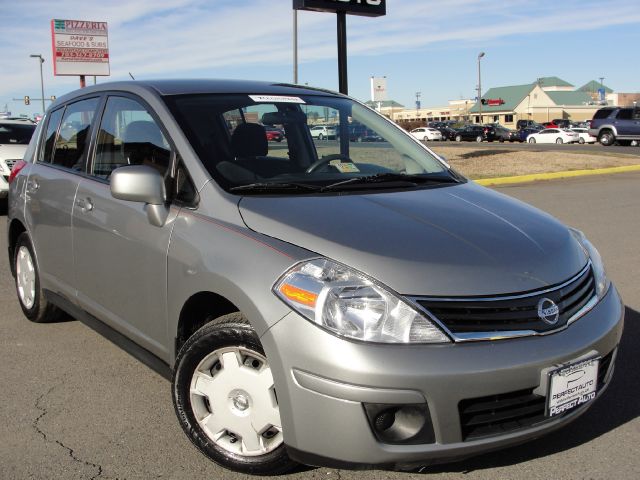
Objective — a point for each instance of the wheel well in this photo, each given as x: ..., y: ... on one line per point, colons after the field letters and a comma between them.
x: 200, y: 309
x: 15, y: 229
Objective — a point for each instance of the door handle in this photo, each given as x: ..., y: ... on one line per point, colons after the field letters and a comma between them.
x: 85, y: 205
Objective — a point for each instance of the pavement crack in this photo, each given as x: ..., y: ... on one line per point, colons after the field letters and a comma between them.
x: 47, y: 438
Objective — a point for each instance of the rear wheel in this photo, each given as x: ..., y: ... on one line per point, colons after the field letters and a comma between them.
x: 581, y: 141
x: 321, y: 137
x: 606, y: 138
x: 479, y: 138
x: 559, y: 141
x: 225, y: 399
x: 32, y: 300
x: 458, y: 138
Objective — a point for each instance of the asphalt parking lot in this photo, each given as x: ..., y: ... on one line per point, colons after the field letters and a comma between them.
x: 75, y: 406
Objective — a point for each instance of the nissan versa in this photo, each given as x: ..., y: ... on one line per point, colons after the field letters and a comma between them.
x: 317, y: 301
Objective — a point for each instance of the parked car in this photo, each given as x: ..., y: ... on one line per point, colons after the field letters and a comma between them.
x: 322, y: 132
x: 525, y: 132
x: 360, y: 133
x: 14, y: 137
x: 471, y: 133
x: 322, y: 308
x: 273, y: 133
x: 583, y: 135
x: 562, y: 123
x: 553, y: 135
x: 497, y: 133
x: 514, y: 136
x: 616, y: 124
x: 550, y: 125
x: 448, y: 133
x: 426, y: 133
x: 520, y: 124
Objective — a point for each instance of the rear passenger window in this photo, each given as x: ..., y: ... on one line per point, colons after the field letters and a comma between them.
x: 50, y: 135
x: 73, y: 136
x: 129, y: 135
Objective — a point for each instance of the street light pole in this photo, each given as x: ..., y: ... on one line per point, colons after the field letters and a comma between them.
x: 480, y: 55
x: 41, y: 80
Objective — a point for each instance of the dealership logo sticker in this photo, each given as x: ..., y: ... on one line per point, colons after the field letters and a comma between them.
x: 548, y: 311
x: 275, y: 99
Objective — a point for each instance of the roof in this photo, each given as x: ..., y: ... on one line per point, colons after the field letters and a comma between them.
x: 384, y: 104
x: 594, y: 86
x: 511, y: 95
x: 570, y: 98
x: 553, y: 82
x: 196, y: 86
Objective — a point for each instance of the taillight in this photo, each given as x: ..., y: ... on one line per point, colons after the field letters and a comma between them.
x: 19, y: 165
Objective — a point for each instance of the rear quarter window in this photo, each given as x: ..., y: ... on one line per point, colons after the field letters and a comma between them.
x: 602, y: 113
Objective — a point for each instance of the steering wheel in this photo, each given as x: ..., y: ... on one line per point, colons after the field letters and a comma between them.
x: 325, y: 160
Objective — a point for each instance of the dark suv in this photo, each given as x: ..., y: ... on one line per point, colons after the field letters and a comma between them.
x: 616, y: 124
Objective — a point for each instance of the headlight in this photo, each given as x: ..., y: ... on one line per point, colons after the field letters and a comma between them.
x: 602, y: 282
x: 347, y: 303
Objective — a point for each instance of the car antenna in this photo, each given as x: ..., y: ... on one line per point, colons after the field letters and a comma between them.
x: 131, y: 76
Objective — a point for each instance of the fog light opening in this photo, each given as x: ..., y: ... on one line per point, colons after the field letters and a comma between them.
x: 401, y: 424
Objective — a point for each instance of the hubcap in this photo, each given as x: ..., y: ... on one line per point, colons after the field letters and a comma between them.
x: 234, y: 401
x: 25, y: 277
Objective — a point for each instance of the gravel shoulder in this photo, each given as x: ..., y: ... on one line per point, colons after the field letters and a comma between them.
x: 482, y: 162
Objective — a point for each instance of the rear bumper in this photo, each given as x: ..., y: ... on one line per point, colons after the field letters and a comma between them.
x: 323, y: 383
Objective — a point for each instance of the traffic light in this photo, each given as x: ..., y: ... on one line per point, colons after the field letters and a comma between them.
x: 27, y: 100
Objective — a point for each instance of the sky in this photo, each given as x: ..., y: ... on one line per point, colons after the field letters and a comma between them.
x: 424, y: 46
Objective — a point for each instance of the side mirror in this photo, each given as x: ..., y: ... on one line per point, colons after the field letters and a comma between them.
x: 140, y: 183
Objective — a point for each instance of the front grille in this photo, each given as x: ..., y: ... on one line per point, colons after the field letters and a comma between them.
x: 513, y: 312
x: 496, y: 414
x: 506, y: 412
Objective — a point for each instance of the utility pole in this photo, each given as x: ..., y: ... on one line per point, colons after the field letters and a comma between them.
x: 295, y: 47
x: 41, y: 79
x: 480, y: 55
x: 418, y: 102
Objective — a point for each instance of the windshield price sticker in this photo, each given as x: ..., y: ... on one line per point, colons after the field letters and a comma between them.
x: 344, y: 167
x: 275, y: 99
x: 572, y: 386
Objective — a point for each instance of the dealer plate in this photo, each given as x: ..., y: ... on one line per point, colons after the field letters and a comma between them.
x: 571, y: 386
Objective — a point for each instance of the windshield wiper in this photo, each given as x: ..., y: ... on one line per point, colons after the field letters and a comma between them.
x: 391, y: 177
x: 272, y: 187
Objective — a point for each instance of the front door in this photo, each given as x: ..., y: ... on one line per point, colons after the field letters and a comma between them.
x: 114, y: 237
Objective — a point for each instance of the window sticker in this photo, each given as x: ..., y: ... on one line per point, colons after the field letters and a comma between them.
x: 344, y: 167
x: 275, y: 99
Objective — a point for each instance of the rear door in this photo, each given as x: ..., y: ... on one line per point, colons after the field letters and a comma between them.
x: 120, y: 258
x: 624, y: 122
x: 51, y: 189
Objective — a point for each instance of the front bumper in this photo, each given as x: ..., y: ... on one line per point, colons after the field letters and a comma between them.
x: 322, y: 383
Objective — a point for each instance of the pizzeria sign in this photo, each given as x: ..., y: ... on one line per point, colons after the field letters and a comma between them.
x: 80, y: 47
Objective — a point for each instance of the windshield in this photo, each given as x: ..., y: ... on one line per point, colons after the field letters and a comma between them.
x: 16, y: 133
x: 326, y: 140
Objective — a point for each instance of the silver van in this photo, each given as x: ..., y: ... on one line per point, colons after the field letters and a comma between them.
x: 325, y: 302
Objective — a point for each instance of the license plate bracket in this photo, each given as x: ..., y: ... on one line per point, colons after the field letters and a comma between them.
x: 572, y: 385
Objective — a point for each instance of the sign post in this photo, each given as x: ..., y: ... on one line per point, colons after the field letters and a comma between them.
x: 368, y: 8
x: 80, y: 48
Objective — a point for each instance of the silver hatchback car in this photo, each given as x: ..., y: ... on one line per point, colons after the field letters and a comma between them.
x: 299, y: 289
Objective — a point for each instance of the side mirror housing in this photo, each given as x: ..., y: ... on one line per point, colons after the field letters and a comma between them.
x: 140, y: 183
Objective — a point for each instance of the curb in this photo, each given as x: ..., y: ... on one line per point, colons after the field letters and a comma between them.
x: 555, y: 175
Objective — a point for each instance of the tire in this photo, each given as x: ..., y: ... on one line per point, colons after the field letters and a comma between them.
x: 581, y: 141
x: 479, y: 139
x: 359, y: 139
x: 321, y: 137
x: 559, y: 141
x: 606, y: 138
x: 238, y: 399
x: 458, y: 138
x: 532, y: 140
x: 32, y: 300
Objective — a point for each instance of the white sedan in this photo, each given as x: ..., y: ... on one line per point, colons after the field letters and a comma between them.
x: 583, y: 135
x: 553, y: 135
x: 426, y: 133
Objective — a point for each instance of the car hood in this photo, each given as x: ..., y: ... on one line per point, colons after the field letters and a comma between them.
x: 454, y: 240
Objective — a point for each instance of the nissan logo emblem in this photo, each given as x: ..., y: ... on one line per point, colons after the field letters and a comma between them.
x: 548, y: 311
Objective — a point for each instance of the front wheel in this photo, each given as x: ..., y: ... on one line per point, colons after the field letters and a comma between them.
x: 225, y: 398
x: 30, y: 295
x: 479, y: 138
x: 581, y: 141
x: 606, y: 138
x: 458, y: 138
x: 321, y: 137
x: 559, y: 141
x: 532, y: 140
